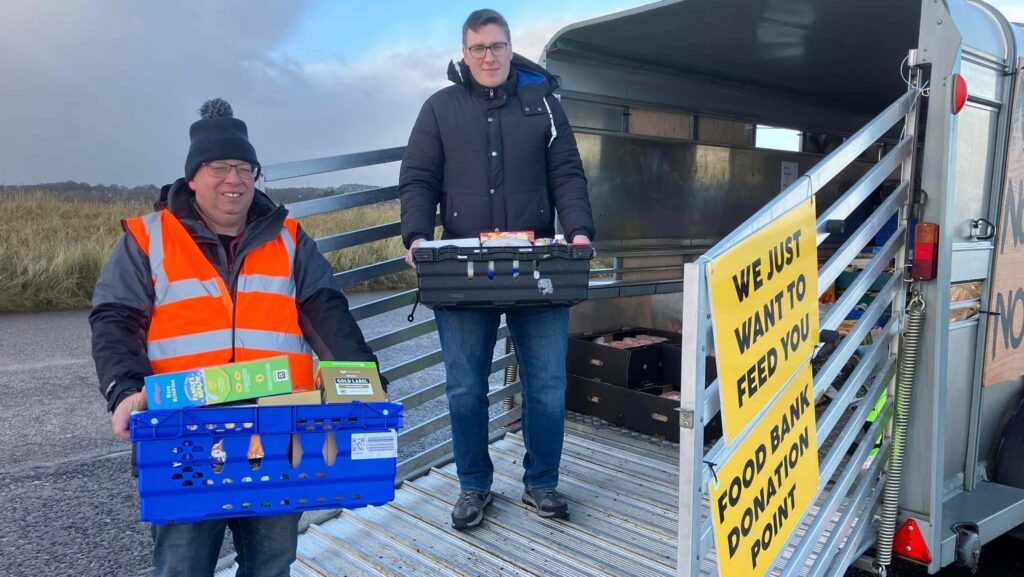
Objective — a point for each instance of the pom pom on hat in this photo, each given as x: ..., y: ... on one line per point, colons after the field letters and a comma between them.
x: 217, y: 135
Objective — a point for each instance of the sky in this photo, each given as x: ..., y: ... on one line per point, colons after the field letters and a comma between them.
x: 103, y: 91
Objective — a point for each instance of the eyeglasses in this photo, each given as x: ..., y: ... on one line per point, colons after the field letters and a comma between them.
x: 497, y: 49
x: 246, y: 171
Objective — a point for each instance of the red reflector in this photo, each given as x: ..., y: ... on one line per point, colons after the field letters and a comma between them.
x: 909, y: 543
x: 959, y: 93
x: 926, y: 248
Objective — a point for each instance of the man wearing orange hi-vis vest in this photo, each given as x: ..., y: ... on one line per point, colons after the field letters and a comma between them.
x: 217, y: 274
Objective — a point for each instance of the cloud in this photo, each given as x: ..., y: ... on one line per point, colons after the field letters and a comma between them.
x: 103, y: 91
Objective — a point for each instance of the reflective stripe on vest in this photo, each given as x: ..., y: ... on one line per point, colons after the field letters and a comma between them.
x: 194, y: 316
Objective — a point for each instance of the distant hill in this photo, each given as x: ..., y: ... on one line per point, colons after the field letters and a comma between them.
x: 83, y: 191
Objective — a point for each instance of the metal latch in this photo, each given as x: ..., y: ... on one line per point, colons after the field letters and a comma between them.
x: 685, y: 418
x: 982, y: 229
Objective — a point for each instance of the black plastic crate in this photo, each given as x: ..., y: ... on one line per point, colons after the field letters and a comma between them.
x: 641, y: 410
x: 502, y: 277
x: 633, y: 367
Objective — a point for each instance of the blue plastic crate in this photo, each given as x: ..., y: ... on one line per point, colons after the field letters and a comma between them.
x: 178, y: 480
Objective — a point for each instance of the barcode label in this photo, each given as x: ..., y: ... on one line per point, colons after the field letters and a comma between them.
x: 375, y: 445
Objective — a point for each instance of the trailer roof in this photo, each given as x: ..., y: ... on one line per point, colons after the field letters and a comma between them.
x: 841, y: 52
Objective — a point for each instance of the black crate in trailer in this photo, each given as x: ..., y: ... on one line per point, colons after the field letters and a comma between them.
x: 632, y: 367
x: 640, y: 410
x: 502, y: 277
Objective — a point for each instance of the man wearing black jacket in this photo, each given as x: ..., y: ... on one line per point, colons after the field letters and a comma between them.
x: 227, y: 220
x: 496, y: 152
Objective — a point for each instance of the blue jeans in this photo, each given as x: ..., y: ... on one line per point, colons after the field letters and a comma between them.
x: 540, y: 336
x: 264, y: 546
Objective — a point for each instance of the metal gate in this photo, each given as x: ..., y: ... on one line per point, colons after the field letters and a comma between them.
x: 838, y: 527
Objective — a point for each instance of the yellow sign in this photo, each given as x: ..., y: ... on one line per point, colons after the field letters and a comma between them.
x: 764, y: 298
x: 768, y: 483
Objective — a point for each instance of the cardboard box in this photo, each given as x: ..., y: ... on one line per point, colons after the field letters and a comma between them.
x: 221, y: 384
x: 303, y: 398
x: 347, y: 381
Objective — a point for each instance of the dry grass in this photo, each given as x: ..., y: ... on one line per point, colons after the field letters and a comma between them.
x: 52, y: 251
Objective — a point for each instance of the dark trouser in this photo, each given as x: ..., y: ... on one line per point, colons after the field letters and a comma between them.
x: 541, y: 341
x: 264, y: 546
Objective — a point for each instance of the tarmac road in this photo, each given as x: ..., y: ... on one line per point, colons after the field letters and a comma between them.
x: 70, y: 505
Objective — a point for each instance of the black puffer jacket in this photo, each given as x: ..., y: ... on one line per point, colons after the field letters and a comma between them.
x: 122, y: 304
x: 494, y: 159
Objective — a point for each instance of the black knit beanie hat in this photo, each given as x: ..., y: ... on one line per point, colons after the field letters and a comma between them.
x: 217, y: 135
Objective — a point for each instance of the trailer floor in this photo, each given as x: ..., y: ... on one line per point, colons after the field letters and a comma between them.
x: 622, y: 489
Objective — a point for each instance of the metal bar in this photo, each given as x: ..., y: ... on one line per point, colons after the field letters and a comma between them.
x: 444, y: 419
x: 827, y: 373
x: 341, y: 201
x: 854, y: 511
x: 691, y: 421
x: 418, y: 364
x: 865, y: 280
x: 849, y: 433
x: 788, y: 199
x: 434, y: 391
x: 864, y: 370
x: 613, y: 290
x: 839, y: 489
x: 358, y: 237
x: 719, y: 453
x: 331, y: 163
x: 371, y: 271
x: 380, y: 306
x: 811, y: 182
x: 831, y: 459
x: 863, y: 188
x: 441, y: 454
x: 854, y: 146
x: 853, y: 245
x: 402, y: 335
x: 862, y: 539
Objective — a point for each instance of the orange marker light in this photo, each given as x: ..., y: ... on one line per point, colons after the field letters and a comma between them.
x: 926, y: 251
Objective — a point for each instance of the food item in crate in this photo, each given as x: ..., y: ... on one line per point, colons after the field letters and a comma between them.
x: 507, y: 238
x: 559, y: 240
x: 219, y: 384
x: 345, y: 381
x: 456, y: 242
x: 671, y: 395
x: 255, y: 454
x: 218, y: 456
x: 633, y: 342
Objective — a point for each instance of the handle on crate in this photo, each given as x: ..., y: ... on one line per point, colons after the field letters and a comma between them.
x: 412, y: 315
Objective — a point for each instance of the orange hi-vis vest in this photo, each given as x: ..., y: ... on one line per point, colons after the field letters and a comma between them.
x: 196, y: 323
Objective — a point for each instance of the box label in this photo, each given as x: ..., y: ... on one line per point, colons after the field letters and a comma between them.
x: 353, y: 386
x: 375, y: 446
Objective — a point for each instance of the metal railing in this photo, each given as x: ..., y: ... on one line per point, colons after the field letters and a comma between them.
x: 823, y: 543
x: 441, y: 452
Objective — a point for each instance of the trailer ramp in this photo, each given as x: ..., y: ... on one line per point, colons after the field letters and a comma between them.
x: 622, y: 489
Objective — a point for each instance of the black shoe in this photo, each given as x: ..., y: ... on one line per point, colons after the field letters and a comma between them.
x: 469, y: 509
x: 547, y: 502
